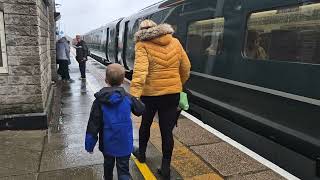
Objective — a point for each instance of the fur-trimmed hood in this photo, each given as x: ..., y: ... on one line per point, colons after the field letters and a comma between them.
x: 154, y: 32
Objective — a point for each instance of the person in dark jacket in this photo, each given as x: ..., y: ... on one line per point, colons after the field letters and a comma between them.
x: 63, y: 57
x: 110, y: 117
x: 81, y: 56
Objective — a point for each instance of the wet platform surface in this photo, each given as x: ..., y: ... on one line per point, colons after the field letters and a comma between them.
x: 58, y: 153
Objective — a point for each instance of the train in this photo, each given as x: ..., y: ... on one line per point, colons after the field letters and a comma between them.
x: 255, y: 70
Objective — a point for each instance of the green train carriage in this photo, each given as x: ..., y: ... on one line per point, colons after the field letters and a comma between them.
x: 255, y: 71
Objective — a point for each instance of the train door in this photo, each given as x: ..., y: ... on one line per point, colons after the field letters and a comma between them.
x: 117, y: 41
x: 112, y: 43
x: 124, y: 48
x: 129, y: 54
x: 107, y: 44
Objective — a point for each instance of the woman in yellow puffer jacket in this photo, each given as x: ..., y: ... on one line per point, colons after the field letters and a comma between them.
x: 160, y: 70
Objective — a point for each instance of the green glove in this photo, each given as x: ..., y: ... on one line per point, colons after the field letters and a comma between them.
x: 183, y: 103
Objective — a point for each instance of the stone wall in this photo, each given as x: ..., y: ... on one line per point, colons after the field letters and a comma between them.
x: 26, y: 87
x: 53, y: 42
x: 44, y: 49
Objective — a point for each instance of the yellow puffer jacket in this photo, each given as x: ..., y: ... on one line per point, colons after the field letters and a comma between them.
x: 161, y: 64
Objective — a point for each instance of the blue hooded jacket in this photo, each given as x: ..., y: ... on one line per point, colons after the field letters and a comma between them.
x: 110, y: 117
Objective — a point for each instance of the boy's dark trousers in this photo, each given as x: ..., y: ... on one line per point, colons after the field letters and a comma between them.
x: 122, y: 167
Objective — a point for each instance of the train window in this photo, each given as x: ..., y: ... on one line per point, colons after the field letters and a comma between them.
x: 285, y: 34
x: 165, y: 16
x: 175, y: 27
x: 160, y: 17
x: 204, y: 43
x: 3, y: 54
x: 157, y: 17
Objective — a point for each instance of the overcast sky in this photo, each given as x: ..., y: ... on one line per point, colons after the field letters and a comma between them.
x: 81, y: 16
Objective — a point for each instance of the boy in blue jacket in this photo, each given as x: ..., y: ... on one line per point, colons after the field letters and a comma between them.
x: 110, y: 117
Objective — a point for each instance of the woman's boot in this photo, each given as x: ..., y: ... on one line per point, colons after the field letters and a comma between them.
x: 164, y: 171
x: 141, y: 156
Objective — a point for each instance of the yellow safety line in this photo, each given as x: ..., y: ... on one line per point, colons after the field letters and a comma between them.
x: 144, y: 169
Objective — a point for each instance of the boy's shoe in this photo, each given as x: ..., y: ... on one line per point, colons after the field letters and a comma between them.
x: 81, y: 78
x: 140, y: 156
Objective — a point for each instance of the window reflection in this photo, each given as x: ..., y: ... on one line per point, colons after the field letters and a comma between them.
x: 287, y: 34
x: 204, y: 43
x: 254, y: 49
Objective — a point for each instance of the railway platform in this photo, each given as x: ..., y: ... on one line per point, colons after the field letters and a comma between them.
x: 58, y: 153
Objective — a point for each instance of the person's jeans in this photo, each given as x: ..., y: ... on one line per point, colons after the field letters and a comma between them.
x: 82, y: 67
x: 122, y: 167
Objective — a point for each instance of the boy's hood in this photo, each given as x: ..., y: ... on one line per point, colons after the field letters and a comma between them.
x: 110, y: 95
